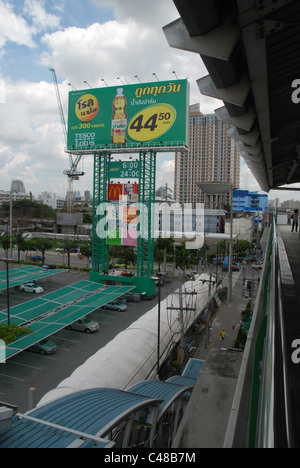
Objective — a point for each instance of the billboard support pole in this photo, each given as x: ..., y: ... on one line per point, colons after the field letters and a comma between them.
x: 145, y: 247
x: 100, y: 247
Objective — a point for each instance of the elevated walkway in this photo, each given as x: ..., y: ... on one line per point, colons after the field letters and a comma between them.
x: 289, y: 257
x: 212, y: 408
x: 205, y: 421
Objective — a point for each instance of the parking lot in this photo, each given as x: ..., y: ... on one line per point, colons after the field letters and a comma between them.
x: 28, y: 376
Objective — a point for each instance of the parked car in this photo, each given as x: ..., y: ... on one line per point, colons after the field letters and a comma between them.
x: 85, y: 324
x: 191, y: 275
x: 49, y: 267
x: 31, y: 287
x: 36, y: 258
x: 234, y: 268
x: 132, y: 297
x: 115, y: 305
x: 247, y: 288
x: 44, y: 347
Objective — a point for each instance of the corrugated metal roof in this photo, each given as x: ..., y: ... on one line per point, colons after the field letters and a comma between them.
x: 92, y: 412
x: 167, y: 391
x: 180, y: 380
x: 193, y: 368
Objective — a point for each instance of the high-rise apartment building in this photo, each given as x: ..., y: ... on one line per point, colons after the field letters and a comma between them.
x: 212, y: 157
x: 17, y: 186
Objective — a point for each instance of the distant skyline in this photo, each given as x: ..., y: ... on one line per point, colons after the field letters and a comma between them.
x: 82, y: 194
x: 88, y: 41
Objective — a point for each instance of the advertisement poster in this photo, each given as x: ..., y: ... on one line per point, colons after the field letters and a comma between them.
x: 115, y: 192
x: 122, y: 214
x: 129, y: 116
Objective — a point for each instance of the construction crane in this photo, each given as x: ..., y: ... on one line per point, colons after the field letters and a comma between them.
x: 72, y: 173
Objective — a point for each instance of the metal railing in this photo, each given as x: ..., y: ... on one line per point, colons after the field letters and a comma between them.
x: 260, y: 415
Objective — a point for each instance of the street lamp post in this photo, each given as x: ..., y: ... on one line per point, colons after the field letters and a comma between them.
x: 229, y: 297
x: 158, y: 278
x: 6, y: 260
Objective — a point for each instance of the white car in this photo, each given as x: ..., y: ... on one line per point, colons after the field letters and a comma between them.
x: 31, y: 287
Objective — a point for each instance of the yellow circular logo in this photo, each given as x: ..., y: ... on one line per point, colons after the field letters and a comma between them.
x: 152, y: 122
x: 87, y: 107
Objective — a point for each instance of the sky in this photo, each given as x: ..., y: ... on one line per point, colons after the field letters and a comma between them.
x: 83, y: 40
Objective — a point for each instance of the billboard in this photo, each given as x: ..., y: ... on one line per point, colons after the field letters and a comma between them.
x: 132, y: 116
x: 115, y: 192
x: 122, y: 214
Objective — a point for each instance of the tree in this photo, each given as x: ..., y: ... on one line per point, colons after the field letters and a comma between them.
x: 69, y: 246
x: 86, y: 250
x: 182, y: 259
x: 42, y: 244
x: 161, y: 246
x: 27, y: 208
x: 21, y: 243
x: 128, y: 255
x: 5, y: 241
x: 9, y: 333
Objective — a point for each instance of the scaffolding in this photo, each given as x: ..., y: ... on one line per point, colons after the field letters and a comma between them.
x: 145, y: 250
x: 145, y: 244
x: 100, y: 247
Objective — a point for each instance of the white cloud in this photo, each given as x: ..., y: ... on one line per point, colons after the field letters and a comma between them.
x: 152, y: 14
x: 165, y: 174
x: 31, y: 137
x: 13, y: 27
x: 35, y: 9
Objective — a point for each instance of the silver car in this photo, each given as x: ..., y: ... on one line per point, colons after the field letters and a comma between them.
x: 85, y: 324
x: 43, y: 347
x: 115, y: 305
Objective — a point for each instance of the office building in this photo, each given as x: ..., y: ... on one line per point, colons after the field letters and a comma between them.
x: 243, y: 201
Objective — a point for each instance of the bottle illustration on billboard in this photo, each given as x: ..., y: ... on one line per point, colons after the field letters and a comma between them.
x: 119, y: 119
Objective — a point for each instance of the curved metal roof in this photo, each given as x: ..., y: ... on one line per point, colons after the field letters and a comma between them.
x: 181, y: 380
x: 251, y: 50
x: 167, y: 391
x: 83, y: 419
x: 193, y: 368
x: 91, y: 413
x: 97, y: 410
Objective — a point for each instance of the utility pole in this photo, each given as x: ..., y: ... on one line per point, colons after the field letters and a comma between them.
x: 10, y: 225
x: 229, y: 296
x: 181, y: 326
x: 181, y: 310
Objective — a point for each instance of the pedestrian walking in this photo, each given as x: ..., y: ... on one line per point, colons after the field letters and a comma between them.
x: 222, y: 335
x: 295, y: 220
